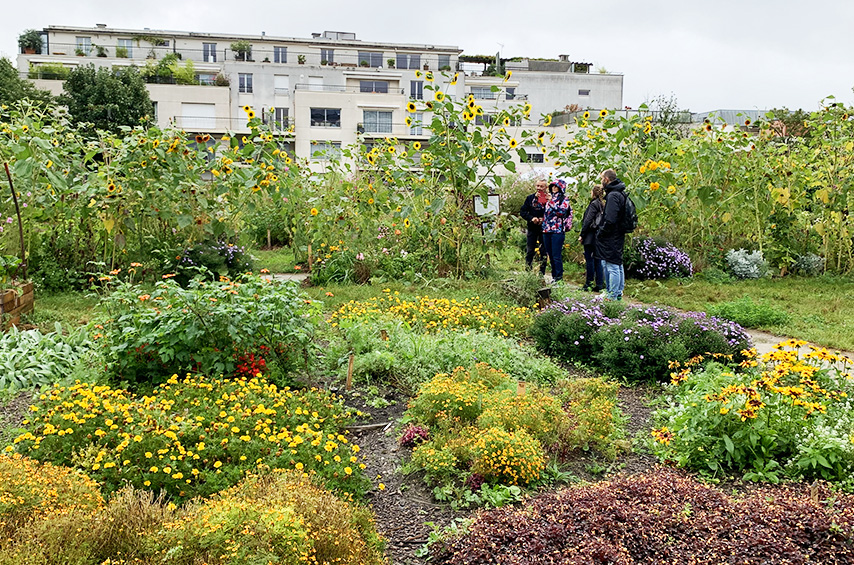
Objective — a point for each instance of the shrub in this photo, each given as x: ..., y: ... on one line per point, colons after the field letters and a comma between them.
x: 809, y: 264
x: 207, y: 327
x: 210, y: 260
x: 508, y: 457
x: 746, y: 264
x: 593, y: 419
x: 660, y: 517
x: 787, y: 415
x: 30, y: 491
x: 193, y: 436
x: 408, y: 357
x: 32, y: 359
x: 749, y: 314
x: 456, y: 398
x: 636, y: 342
x: 655, y: 259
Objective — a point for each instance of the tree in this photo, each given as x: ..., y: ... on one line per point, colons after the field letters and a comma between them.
x: 14, y: 88
x: 107, y: 98
x: 788, y: 123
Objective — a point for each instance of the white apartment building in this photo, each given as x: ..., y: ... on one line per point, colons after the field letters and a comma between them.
x: 323, y: 93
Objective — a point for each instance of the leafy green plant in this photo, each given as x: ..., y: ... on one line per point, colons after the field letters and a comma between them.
x: 9, y: 265
x: 30, y: 39
x: 748, y: 313
x: 148, y: 334
x: 31, y: 359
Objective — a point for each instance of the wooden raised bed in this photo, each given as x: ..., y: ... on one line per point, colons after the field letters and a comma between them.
x: 14, y: 302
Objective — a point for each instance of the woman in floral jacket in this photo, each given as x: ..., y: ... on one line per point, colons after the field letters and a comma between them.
x: 556, y: 222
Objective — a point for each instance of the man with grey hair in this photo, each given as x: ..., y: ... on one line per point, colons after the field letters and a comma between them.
x: 610, y: 238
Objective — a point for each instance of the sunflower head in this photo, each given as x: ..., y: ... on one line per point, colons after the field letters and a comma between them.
x: 439, y: 96
x: 548, y: 120
x: 429, y: 105
x: 410, y: 107
x: 513, y: 143
x: 603, y: 113
x: 416, y: 146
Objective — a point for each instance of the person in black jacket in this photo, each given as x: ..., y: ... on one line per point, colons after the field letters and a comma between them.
x: 610, y: 238
x: 532, y: 211
x: 589, y: 223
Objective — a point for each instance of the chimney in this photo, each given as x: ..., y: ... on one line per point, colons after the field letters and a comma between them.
x: 102, y: 26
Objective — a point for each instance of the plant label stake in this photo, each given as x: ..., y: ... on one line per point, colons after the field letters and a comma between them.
x: 349, y: 384
x: 520, y: 388
x: 384, y: 335
x: 309, y: 257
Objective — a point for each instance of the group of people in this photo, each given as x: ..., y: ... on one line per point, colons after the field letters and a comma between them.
x: 549, y: 216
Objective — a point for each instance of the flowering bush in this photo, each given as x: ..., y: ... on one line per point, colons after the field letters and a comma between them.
x: 192, y: 436
x: 786, y: 413
x: 636, y: 342
x: 747, y: 264
x: 592, y: 420
x: 206, y: 327
x: 508, y: 457
x: 433, y: 314
x: 658, y: 517
x: 653, y: 259
x: 31, y: 491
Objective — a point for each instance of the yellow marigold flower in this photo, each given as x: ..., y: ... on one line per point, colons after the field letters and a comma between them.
x: 654, y: 186
x: 217, y: 464
x: 314, y: 211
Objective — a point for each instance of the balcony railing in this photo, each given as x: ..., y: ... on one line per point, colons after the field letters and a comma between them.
x: 342, y: 88
x: 207, y: 123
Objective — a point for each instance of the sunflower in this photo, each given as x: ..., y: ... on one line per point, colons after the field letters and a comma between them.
x: 586, y: 115
x: 708, y: 127
x: 671, y: 189
x: 513, y: 143
x: 548, y: 120
x: 603, y: 113
x: 439, y: 96
x: 429, y: 105
x: 314, y: 211
x: 541, y: 135
x: 416, y: 146
x: 428, y: 77
x: 410, y: 107
x: 417, y: 74
x: 506, y: 121
x: 370, y: 200
x: 408, y: 121
x: 111, y: 187
x: 454, y: 80
x: 247, y: 109
x: 478, y: 110
x: 747, y: 122
x: 507, y: 75
x: 391, y: 149
x: 250, y: 114
x: 199, y: 139
x: 468, y: 116
x: 406, y: 222
x: 471, y: 104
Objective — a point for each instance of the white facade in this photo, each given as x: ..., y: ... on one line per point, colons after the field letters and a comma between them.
x: 331, y: 90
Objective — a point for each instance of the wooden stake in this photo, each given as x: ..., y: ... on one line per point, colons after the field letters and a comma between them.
x: 309, y: 257
x: 20, y: 223
x: 349, y: 384
x: 269, y: 240
x: 520, y: 388
x: 384, y: 335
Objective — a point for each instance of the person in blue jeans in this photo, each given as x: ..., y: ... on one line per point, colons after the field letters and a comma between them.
x: 557, y: 220
x: 610, y: 238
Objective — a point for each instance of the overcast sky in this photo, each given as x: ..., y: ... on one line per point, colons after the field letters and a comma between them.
x: 728, y: 54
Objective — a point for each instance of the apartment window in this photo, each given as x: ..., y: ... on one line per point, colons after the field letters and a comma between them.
x: 510, y: 92
x: 280, y: 54
x: 325, y: 150
x: 376, y: 121
x: 327, y: 55
x: 209, y: 52
x: 583, y: 92
x: 127, y: 45
x: 373, y: 86
x: 280, y: 118
x: 407, y: 61
x: 533, y: 157
x: 326, y: 117
x: 206, y: 78
x: 281, y: 85
x: 483, y: 92
x: 244, y: 81
x: 370, y: 59
x: 416, y: 89
x: 444, y: 62
x: 84, y: 45
x: 417, y: 127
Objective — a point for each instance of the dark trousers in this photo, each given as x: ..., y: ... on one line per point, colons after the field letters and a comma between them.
x: 535, y: 243
x: 554, y: 246
x: 594, y: 268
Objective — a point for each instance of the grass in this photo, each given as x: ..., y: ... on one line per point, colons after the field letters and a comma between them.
x: 820, y: 309
x: 276, y: 260
x: 71, y: 309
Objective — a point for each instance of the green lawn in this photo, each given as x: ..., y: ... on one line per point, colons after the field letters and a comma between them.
x: 820, y: 309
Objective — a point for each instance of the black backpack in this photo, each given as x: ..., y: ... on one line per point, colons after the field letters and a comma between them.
x: 629, y: 220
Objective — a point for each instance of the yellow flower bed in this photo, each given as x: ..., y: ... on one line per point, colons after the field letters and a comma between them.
x: 434, y: 314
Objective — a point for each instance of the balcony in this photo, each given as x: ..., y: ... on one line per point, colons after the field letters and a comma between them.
x: 282, y: 127
x: 342, y: 88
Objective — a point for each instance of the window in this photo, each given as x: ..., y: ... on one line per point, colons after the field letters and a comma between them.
x: 372, y: 59
x: 510, y: 92
x: 127, y: 45
x: 326, y: 117
x: 84, y: 44
x: 483, y: 93
x: 373, y: 86
x: 281, y: 85
x: 280, y: 119
x: 280, y: 54
x: 417, y: 127
x: 444, y: 62
x: 484, y: 120
x: 376, y: 121
x: 206, y: 78
x: 327, y: 55
x: 416, y: 89
x: 533, y: 157
x: 209, y: 52
x: 244, y: 81
x: 407, y: 61
x: 583, y: 92
x: 325, y: 150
